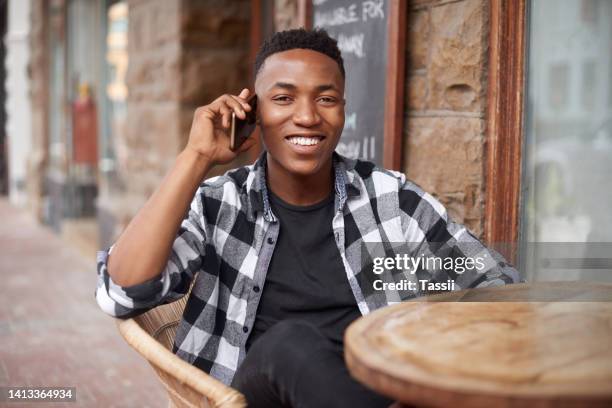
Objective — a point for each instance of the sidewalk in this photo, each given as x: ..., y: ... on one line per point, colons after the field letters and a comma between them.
x: 52, y: 333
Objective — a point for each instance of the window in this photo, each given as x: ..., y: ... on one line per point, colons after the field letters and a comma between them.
x: 567, y: 176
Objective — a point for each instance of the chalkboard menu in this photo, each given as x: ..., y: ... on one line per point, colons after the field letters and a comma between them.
x: 361, y: 29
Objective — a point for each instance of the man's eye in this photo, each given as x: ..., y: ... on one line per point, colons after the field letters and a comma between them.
x: 282, y: 99
x: 327, y: 99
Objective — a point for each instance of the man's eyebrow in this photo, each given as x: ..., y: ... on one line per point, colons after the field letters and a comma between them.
x: 285, y: 85
x: 326, y: 87
x: 292, y: 87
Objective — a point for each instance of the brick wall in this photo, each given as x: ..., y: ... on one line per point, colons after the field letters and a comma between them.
x: 446, y: 103
x: 182, y: 54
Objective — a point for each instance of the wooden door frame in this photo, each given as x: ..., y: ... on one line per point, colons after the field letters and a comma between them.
x: 504, y: 123
x: 257, y: 37
x: 394, y: 92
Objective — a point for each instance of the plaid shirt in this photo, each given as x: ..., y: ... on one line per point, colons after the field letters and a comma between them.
x: 227, y: 239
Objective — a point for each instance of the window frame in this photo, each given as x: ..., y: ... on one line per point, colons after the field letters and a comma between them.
x: 505, y: 124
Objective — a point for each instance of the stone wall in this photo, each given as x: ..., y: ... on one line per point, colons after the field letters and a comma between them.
x: 182, y: 54
x: 446, y: 103
x: 215, y: 57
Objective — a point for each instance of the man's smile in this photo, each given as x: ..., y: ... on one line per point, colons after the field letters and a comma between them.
x: 305, y: 143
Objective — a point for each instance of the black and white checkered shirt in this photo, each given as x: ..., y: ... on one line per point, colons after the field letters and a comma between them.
x: 227, y: 239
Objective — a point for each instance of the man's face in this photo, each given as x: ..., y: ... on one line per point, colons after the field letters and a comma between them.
x: 301, y: 109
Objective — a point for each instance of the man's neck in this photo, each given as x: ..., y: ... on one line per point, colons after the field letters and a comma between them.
x: 300, y: 190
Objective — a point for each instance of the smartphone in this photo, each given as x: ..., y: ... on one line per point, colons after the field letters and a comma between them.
x: 241, y: 129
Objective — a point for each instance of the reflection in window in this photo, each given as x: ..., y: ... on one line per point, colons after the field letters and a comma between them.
x: 588, y: 11
x: 609, y: 82
x: 589, y: 82
x: 559, y: 76
x: 567, y: 175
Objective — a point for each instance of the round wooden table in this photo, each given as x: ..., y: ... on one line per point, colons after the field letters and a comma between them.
x: 539, y: 344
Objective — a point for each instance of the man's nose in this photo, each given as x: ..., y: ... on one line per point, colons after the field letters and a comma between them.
x: 306, y: 114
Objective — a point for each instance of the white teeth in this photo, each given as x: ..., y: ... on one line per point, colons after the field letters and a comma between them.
x: 304, y: 141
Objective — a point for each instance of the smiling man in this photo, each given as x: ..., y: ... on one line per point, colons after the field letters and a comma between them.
x: 275, y: 251
x: 301, y: 116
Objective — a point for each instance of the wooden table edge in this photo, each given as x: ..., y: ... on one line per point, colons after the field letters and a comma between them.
x: 363, y: 365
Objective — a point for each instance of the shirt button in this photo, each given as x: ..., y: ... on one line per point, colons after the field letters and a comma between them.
x: 256, y: 289
x: 245, y: 329
x: 270, y: 240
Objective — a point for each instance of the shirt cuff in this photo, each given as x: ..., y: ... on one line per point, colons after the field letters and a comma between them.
x: 118, y: 300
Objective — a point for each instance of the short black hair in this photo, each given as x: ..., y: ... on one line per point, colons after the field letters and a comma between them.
x: 316, y: 40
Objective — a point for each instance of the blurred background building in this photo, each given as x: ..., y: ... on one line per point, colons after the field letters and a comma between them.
x: 99, y: 96
x: 77, y: 69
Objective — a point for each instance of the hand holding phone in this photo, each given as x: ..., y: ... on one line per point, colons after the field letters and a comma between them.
x: 241, y: 129
x: 211, y: 129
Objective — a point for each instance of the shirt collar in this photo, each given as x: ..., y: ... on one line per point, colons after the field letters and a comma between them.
x: 345, y: 181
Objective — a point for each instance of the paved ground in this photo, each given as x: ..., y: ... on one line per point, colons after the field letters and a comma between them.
x: 51, y: 330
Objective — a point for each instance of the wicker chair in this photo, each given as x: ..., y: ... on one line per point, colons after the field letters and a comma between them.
x: 152, y: 335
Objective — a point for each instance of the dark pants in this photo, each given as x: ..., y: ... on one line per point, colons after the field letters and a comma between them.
x: 294, y: 365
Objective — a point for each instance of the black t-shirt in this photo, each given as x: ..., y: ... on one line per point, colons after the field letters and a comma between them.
x: 306, y: 278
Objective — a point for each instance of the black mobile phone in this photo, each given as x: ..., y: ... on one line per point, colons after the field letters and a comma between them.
x: 241, y: 129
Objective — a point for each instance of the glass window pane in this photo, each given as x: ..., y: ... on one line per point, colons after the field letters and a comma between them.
x: 567, y: 177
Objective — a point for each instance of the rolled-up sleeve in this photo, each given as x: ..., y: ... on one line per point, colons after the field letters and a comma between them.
x: 431, y: 233
x: 171, y: 284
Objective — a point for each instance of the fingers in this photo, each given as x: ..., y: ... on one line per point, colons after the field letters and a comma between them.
x: 243, y: 103
x: 237, y: 105
x: 226, y: 115
x: 244, y: 93
x: 224, y: 105
x: 242, y: 99
x: 225, y: 108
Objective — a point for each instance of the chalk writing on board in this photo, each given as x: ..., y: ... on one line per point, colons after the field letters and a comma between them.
x: 350, y: 121
x: 337, y: 16
x: 351, y: 44
x: 372, y: 9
